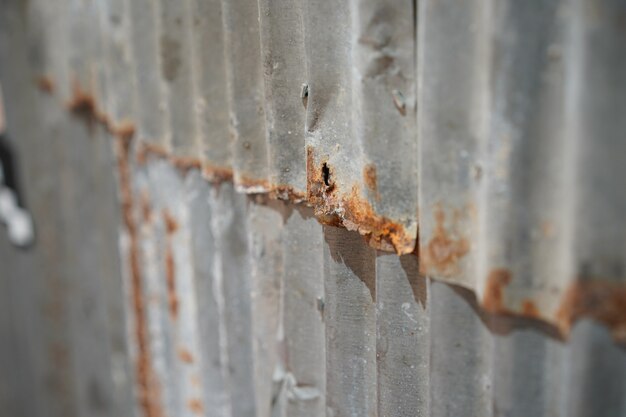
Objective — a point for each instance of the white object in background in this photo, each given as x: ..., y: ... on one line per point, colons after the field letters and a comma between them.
x: 19, y: 222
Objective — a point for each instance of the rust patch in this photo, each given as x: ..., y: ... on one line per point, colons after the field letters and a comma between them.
x: 529, y: 309
x: 185, y: 356
x: 287, y: 193
x: 195, y: 405
x: 602, y: 301
x: 146, y: 208
x: 493, y: 300
x: 171, y: 226
x: 45, y: 84
x: 370, y: 180
x: 351, y: 210
x: 184, y: 164
x: 442, y: 253
x: 148, y: 390
x: 83, y: 105
x: 146, y: 150
x: 217, y: 175
x: 249, y: 182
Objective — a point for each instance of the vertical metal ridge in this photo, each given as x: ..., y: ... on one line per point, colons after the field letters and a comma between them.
x: 595, y: 104
x: 451, y: 115
x: 243, y: 305
x: 211, y: 337
x: 302, y: 341
x: 402, y: 337
x: 211, y: 99
x: 228, y: 208
x: 150, y: 91
x: 265, y: 234
x: 246, y: 94
x: 87, y: 274
x: 460, y: 354
x: 177, y: 69
x: 595, y: 380
x: 350, y: 317
x: 523, y: 173
x: 159, y: 356
x: 521, y: 355
x: 384, y: 107
x: 286, y: 90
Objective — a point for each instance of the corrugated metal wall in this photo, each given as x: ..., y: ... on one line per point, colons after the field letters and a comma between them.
x: 227, y: 197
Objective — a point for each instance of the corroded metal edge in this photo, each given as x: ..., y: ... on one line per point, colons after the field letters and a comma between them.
x: 586, y: 297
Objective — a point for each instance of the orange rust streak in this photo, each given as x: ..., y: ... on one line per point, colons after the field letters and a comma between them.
x: 493, y: 300
x: 357, y: 213
x: 442, y: 253
x: 370, y: 179
x: 146, y: 381
x: 146, y: 208
x: 171, y: 226
x: 185, y: 356
x: 45, y: 84
x: 195, y: 405
x: 185, y: 164
x: 529, y: 309
x: 602, y: 301
x: 217, y: 174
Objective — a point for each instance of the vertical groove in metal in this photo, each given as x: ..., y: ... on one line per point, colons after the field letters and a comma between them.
x: 507, y: 125
x: 149, y: 92
x: 459, y: 339
x: 284, y: 70
x: 265, y: 234
x: 177, y: 69
x: 246, y: 94
x: 302, y: 347
x: 350, y: 317
x: 402, y: 339
x: 211, y: 99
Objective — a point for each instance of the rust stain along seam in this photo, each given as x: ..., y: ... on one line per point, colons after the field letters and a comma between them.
x: 350, y: 210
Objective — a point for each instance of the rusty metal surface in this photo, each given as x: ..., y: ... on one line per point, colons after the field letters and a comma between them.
x: 222, y: 191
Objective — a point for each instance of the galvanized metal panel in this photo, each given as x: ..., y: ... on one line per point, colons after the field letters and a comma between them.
x: 150, y: 88
x: 211, y: 100
x: 302, y: 341
x: 239, y: 306
x: 350, y: 316
x: 402, y: 339
x: 246, y: 94
x: 175, y: 48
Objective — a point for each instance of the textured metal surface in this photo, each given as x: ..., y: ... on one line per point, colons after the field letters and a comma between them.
x: 179, y: 156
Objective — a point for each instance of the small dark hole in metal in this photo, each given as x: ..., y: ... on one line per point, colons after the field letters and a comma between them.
x: 326, y: 174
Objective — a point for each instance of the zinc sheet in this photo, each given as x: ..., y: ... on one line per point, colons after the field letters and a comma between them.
x: 202, y: 175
